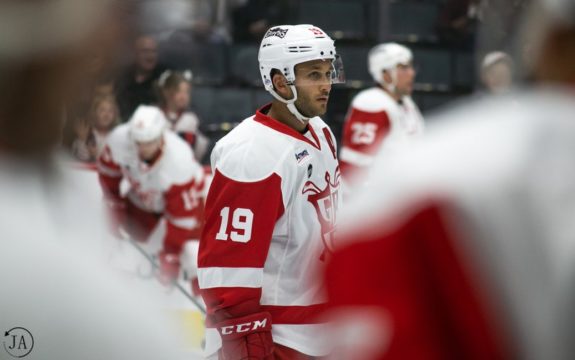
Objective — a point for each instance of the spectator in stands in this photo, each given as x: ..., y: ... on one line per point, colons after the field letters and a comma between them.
x: 458, y: 22
x: 174, y: 89
x: 104, y: 117
x: 83, y: 146
x: 134, y: 86
x: 93, y: 129
x: 497, y: 72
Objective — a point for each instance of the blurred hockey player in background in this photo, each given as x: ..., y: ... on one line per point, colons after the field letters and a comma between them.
x: 464, y: 246
x: 56, y: 289
x: 165, y: 181
x: 497, y: 72
x: 271, y: 209
x: 382, y: 117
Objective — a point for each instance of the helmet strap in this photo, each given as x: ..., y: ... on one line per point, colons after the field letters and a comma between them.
x: 390, y: 86
x: 291, y: 104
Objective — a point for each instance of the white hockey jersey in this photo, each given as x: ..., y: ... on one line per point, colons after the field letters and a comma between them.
x: 270, y: 218
x: 481, y: 212
x: 171, y: 186
x: 376, y: 122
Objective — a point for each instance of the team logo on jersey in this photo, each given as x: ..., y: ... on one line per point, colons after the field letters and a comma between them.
x: 325, y: 201
x: 279, y: 32
x: 301, y: 155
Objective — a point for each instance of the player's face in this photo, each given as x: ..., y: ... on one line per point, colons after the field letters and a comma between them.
x: 149, y: 149
x: 497, y: 77
x: 180, y: 97
x: 405, y: 77
x: 313, y: 84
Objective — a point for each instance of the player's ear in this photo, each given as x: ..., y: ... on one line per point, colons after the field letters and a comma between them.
x: 280, y: 83
x: 387, y: 77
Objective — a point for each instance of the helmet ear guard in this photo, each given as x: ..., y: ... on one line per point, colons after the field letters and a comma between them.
x: 285, y: 46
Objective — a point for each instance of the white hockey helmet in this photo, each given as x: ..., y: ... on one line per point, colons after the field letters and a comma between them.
x: 148, y: 123
x: 285, y: 46
x: 386, y: 57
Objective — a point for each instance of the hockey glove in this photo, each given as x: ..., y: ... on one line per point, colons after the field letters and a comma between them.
x: 248, y: 337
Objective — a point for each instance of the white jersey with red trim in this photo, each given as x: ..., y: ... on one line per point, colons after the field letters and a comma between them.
x: 376, y: 122
x: 270, y: 216
x: 149, y: 183
x: 480, y: 211
x: 171, y: 186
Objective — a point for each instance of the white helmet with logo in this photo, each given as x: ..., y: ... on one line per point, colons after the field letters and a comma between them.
x: 285, y: 46
x: 148, y: 123
x: 386, y: 57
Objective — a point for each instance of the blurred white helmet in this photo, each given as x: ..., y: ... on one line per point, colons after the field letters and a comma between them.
x: 285, y: 46
x: 386, y: 57
x: 493, y: 58
x: 148, y: 123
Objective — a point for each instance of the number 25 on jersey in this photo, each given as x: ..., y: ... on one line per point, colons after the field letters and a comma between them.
x: 241, y: 226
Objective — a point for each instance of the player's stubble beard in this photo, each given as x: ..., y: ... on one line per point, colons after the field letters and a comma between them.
x: 308, y: 106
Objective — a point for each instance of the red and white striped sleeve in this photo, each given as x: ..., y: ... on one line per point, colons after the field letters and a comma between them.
x: 363, y: 135
x: 109, y: 174
x: 184, y: 211
x: 239, y: 223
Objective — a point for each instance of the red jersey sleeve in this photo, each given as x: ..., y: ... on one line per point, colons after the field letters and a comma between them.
x: 109, y: 174
x: 363, y: 134
x: 239, y: 223
x: 415, y: 275
x: 184, y: 210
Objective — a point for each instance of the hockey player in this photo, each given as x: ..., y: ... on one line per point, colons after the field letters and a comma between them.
x: 58, y: 299
x: 164, y: 179
x: 271, y: 208
x: 465, y: 250
x: 381, y: 117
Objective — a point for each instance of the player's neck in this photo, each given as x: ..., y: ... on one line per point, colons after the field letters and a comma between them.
x: 280, y: 112
x: 394, y: 95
